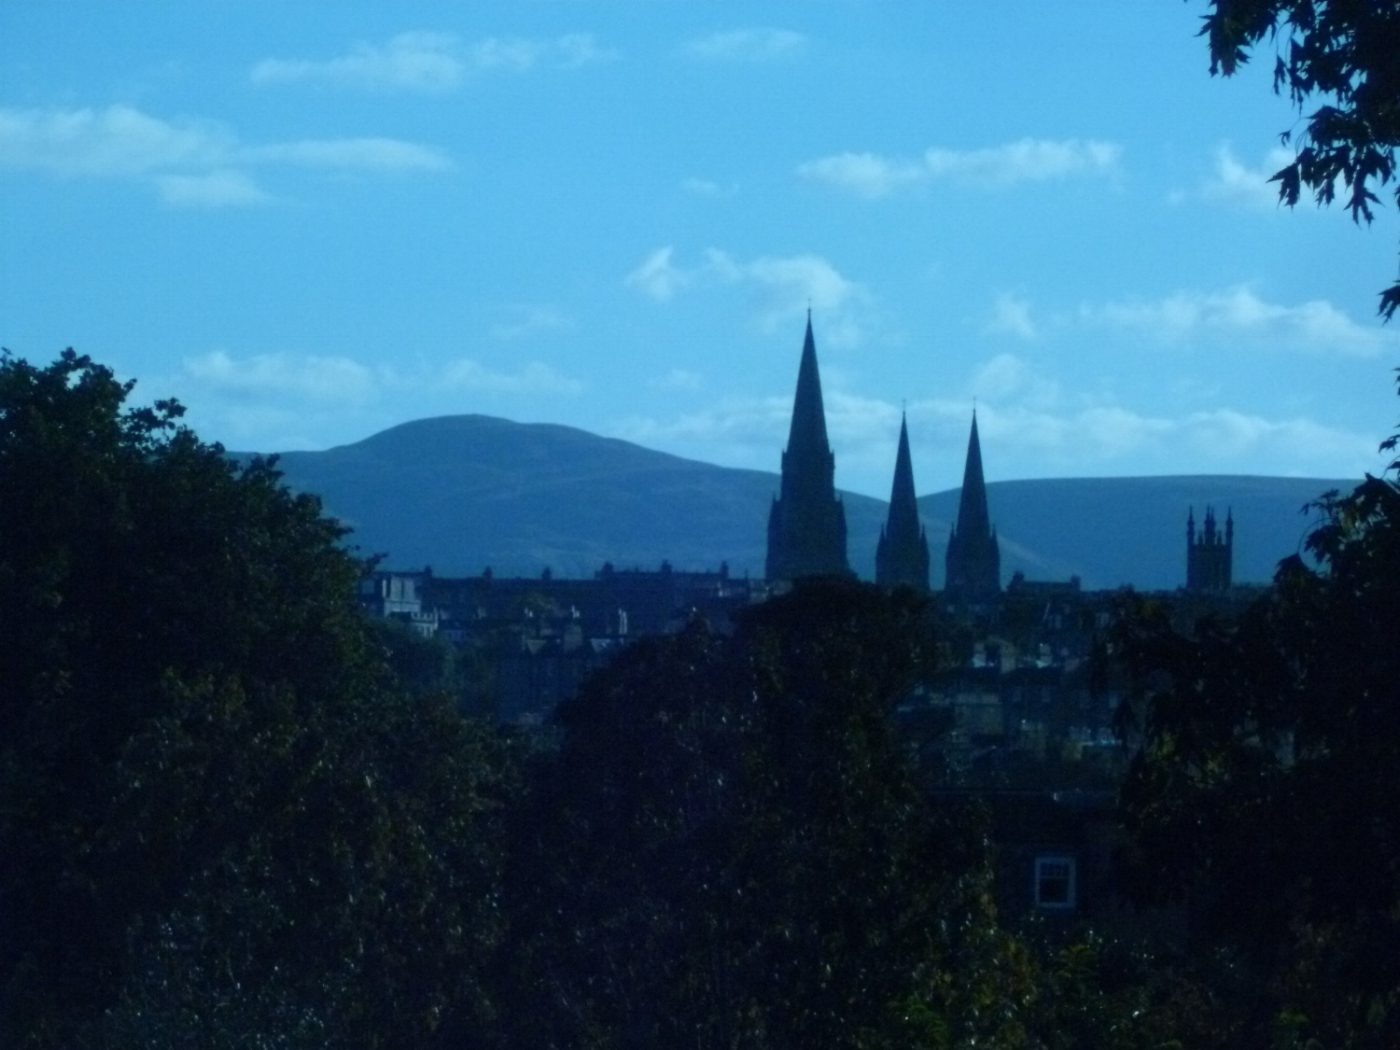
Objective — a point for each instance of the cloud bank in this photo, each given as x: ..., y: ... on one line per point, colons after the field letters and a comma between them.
x: 871, y: 175
x: 1315, y: 325
x: 1234, y: 183
x: 1030, y: 427
x: 779, y: 288
x: 431, y: 62
x: 191, y: 163
x: 342, y: 380
x: 747, y: 45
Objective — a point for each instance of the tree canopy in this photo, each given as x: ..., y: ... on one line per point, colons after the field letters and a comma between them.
x: 223, y: 821
x: 1346, y: 55
x: 1267, y: 788
x: 730, y: 849
x: 227, y: 822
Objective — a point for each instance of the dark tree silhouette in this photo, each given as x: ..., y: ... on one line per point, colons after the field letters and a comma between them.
x: 730, y: 849
x: 1267, y: 791
x: 222, y: 821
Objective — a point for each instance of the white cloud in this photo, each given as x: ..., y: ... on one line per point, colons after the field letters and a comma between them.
x: 1007, y: 377
x: 998, y: 167
x: 217, y: 189
x: 119, y: 140
x: 784, y: 286
x: 509, y: 55
x: 1029, y: 160
x: 431, y: 62
x: 343, y: 381
x: 335, y: 379
x: 781, y: 288
x: 582, y: 49
x: 657, y: 276
x: 1030, y: 427
x: 678, y: 379
x: 1112, y: 437
x: 707, y: 188
x: 1011, y: 315
x: 533, y: 378
x: 863, y: 174
x: 736, y: 431
x: 1235, y: 184
x: 748, y: 45
x: 363, y: 154
x: 190, y: 163
x: 414, y: 61
x: 1314, y: 325
x: 523, y: 321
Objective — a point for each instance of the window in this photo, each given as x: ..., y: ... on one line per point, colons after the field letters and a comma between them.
x: 1054, y: 882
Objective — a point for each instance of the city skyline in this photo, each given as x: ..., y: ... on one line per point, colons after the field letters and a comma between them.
x: 309, y: 225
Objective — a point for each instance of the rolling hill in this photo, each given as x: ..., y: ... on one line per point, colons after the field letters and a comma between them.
x: 461, y: 493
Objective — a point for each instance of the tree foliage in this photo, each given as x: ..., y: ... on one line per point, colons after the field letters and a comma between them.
x: 223, y: 822
x: 1346, y: 54
x: 730, y: 849
x: 1267, y: 791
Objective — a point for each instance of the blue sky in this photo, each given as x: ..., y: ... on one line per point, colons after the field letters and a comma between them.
x: 309, y: 222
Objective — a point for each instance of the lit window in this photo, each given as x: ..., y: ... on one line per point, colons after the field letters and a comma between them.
x: 1054, y: 882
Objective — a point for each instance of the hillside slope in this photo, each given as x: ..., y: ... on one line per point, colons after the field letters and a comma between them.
x: 461, y: 493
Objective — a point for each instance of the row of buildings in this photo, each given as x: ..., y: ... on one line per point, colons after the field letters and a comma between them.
x: 1017, y: 702
x: 543, y: 635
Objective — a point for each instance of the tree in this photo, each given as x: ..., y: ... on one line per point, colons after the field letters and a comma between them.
x: 730, y: 848
x: 1345, y: 53
x: 1267, y: 788
x: 223, y: 822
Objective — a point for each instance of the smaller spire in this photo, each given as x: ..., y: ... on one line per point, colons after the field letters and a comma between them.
x: 902, y: 554
x: 973, y: 559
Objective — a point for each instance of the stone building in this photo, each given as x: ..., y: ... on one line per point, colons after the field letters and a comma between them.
x: 1210, y: 555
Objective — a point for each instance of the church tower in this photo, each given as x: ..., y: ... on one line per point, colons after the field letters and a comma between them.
x: 974, y: 558
x: 902, y: 556
x: 807, y: 523
x: 1210, y: 556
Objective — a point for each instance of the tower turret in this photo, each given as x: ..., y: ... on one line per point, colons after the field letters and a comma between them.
x: 807, y: 523
x: 902, y: 555
x: 1210, y: 557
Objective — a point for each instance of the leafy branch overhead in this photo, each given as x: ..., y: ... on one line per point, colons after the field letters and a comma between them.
x: 1345, y: 54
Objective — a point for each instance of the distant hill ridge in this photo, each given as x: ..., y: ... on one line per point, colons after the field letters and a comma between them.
x: 461, y: 493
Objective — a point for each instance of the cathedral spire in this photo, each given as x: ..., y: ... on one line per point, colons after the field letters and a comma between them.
x: 902, y: 555
x: 807, y: 523
x: 972, y: 507
x: 974, y: 556
x: 808, y: 429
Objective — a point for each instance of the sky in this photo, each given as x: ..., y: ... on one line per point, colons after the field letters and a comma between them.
x: 311, y: 222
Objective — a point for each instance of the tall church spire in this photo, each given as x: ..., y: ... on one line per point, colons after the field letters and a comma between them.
x: 902, y: 555
x: 808, y: 429
x: 807, y: 523
x: 974, y: 557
